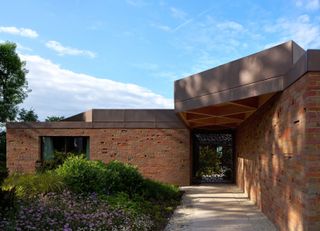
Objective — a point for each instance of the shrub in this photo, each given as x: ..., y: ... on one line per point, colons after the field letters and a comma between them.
x: 30, y: 185
x: 154, y: 190
x: 58, y: 159
x: 82, y: 175
x: 129, y: 181
x: 7, y: 199
x: 3, y: 171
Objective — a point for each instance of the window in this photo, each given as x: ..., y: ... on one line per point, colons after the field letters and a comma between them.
x: 64, y: 144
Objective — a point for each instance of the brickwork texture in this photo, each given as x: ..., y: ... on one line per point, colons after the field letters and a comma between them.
x: 277, y: 153
x: 278, y: 156
x: 160, y: 154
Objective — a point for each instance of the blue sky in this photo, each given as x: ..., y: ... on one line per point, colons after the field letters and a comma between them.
x: 127, y: 53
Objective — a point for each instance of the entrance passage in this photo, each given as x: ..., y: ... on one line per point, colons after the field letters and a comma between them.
x: 219, y: 207
x: 213, y: 158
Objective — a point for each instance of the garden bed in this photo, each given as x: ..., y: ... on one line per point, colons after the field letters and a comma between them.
x: 86, y: 195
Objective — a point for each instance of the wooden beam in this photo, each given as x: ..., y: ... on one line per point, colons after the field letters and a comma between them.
x: 218, y: 120
x: 264, y: 98
x: 183, y: 117
x: 222, y: 110
x: 194, y: 116
x: 249, y: 103
x: 216, y: 111
x: 228, y: 125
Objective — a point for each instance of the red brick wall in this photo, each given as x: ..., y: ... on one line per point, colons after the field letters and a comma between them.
x: 161, y: 154
x: 278, y: 156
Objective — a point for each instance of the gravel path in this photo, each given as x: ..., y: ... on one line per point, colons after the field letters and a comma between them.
x: 221, y: 207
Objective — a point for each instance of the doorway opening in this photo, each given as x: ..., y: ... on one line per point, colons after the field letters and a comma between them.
x: 213, y: 157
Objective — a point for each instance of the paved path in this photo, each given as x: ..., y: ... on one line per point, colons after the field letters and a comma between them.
x: 218, y: 207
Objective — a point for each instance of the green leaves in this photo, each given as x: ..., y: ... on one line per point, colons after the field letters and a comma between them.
x: 27, y: 115
x: 30, y: 185
x: 54, y: 118
x: 82, y: 175
x: 13, y: 83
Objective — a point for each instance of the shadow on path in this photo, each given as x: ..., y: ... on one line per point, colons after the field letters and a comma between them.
x: 222, y: 207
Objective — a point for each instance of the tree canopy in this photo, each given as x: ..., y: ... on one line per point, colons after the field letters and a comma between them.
x: 27, y: 115
x: 54, y: 118
x: 13, y: 83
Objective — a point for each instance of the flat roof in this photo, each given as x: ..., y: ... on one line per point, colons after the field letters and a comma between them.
x: 225, y: 96
x: 257, y: 74
x: 112, y: 118
x: 219, y: 98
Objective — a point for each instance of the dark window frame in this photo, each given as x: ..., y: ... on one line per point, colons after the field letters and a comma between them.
x: 67, y: 140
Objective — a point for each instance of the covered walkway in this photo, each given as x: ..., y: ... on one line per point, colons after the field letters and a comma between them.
x: 219, y: 207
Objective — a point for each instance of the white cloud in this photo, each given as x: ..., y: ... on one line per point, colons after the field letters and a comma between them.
x: 63, y: 50
x: 24, y: 32
x: 161, y: 27
x: 308, y: 4
x: 302, y: 30
x: 177, y: 13
x: 21, y: 47
x: 57, y: 91
x: 230, y: 25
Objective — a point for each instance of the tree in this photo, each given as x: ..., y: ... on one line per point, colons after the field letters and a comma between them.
x: 54, y: 118
x: 13, y: 83
x: 27, y: 116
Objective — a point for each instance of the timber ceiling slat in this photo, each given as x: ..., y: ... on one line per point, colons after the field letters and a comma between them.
x: 218, y: 120
x: 226, y: 115
x: 250, y: 103
x: 222, y: 110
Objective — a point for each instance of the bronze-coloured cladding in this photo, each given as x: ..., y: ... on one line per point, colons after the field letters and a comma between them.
x: 112, y: 118
x: 251, y: 76
x: 308, y: 62
x: 222, y: 97
x: 225, y: 96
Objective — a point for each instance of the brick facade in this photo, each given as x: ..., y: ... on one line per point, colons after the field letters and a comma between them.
x: 277, y: 147
x: 278, y: 156
x: 161, y: 154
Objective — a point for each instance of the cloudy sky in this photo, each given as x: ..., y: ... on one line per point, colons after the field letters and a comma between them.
x: 127, y: 53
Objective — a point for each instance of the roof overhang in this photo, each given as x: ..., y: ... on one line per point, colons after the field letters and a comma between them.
x: 223, y: 97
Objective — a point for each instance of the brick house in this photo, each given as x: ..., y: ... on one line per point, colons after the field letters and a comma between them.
x: 269, y: 103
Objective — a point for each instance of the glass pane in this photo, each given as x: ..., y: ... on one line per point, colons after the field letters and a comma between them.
x: 48, y: 151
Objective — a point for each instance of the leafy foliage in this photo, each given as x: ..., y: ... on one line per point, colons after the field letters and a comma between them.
x: 157, y: 191
x: 27, y: 115
x: 3, y: 146
x: 13, y: 83
x: 58, y: 159
x: 7, y: 199
x: 54, y: 118
x: 3, y: 171
x: 129, y: 179
x: 82, y: 175
x: 3, y: 168
x: 101, y: 197
x: 209, y: 162
x: 30, y: 185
